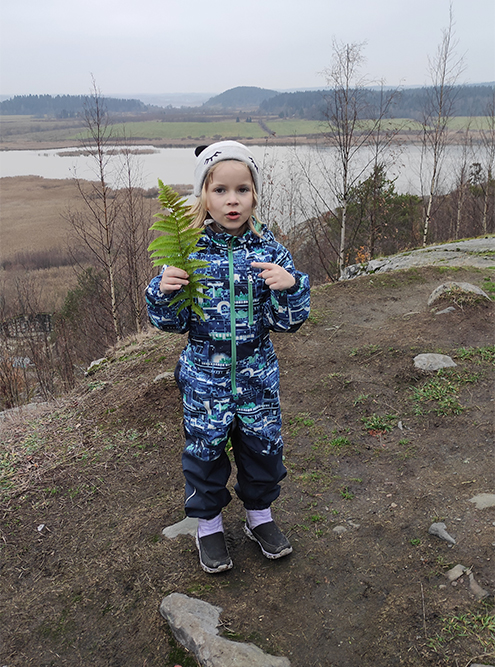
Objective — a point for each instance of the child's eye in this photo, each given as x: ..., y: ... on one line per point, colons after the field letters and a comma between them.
x: 219, y: 190
x: 244, y: 189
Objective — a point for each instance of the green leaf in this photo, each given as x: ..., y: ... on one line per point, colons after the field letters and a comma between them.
x: 174, y: 247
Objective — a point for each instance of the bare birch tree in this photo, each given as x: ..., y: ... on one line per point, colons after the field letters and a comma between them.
x: 445, y: 69
x: 355, y: 130
x: 95, y: 225
x: 136, y: 220
x: 488, y: 143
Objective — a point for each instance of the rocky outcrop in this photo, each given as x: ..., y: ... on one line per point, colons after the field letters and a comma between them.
x: 194, y: 623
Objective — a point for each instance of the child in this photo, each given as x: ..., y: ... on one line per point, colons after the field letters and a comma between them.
x: 228, y: 373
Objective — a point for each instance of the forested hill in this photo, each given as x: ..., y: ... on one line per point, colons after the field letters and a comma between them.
x: 63, y: 106
x: 242, y: 97
x: 408, y: 103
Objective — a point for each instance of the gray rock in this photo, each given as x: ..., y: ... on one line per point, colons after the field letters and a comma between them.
x: 187, y: 526
x: 439, y: 529
x: 483, y: 500
x: 453, y: 287
x: 450, y: 309
x: 194, y: 624
x: 96, y: 365
x: 456, y: 572
x: 433, y: 362
x: 476, y: 589
x: 340, y: 530
x: 167, y: 377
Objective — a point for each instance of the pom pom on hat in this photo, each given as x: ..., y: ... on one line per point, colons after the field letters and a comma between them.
x: 207, y: 156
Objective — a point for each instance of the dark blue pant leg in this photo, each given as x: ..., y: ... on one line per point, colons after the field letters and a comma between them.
x: 258, y: 475
x: 206, y: 492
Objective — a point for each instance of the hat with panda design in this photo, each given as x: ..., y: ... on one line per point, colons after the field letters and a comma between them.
x: 207, y: 156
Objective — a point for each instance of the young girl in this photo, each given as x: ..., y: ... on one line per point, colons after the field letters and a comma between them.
x: 228, y: 373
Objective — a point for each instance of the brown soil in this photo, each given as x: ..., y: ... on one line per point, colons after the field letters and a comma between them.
x: 91, y: 484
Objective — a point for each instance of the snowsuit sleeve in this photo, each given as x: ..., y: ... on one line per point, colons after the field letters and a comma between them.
x: 286, y: 310
x: 162, y: 315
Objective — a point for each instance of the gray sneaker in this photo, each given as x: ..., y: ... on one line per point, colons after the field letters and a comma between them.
x: 213, y: 554
x: 272, y: 541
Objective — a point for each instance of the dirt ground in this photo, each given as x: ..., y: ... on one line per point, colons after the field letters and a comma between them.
x: 89, y: 485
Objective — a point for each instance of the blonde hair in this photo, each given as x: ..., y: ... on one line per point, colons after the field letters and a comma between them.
x: 200, y: 211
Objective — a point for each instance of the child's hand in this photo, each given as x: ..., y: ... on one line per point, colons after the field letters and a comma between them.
x: 173, y: 279
x: 274, y: 275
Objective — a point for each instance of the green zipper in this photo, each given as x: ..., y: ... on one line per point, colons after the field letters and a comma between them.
x: 233, y: 348
x: 250, y: 299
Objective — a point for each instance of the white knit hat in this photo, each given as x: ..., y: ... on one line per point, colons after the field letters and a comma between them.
x: 207, y: 156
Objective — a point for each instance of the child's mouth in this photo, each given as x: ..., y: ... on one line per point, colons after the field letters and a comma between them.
x: 233, y: 215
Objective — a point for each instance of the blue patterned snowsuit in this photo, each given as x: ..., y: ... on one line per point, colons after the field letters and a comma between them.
x: 228, y: 372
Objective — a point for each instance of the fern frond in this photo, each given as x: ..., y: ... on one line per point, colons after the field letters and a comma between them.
x: 175, y: 246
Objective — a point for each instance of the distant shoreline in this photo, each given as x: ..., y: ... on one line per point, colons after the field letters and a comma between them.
x: 409, y: 137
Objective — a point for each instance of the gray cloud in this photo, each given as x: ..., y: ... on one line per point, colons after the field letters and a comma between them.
x: 159, y: 46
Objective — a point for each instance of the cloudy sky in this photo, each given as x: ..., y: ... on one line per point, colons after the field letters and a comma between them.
x: 171, y: 46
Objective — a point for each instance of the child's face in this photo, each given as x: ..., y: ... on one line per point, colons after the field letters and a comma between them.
x: 229, y: 196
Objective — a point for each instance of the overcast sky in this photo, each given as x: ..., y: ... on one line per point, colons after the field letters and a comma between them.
x: 170, y: 46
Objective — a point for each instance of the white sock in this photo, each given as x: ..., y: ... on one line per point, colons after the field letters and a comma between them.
x: 210, y: 526
x: 257, y: 517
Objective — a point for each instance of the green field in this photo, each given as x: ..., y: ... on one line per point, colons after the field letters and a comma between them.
x: 18, y: 129
x: 182, y: 130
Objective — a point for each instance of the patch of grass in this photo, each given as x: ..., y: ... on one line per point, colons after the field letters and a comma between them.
x: 297, y: 422
x: 476, y: 354
x: 346, y: 494
x: 380, y: 424
x: 489, y: 287
x: 478, y: 626
x: 332, y: 445
x: 361, y: 399
x: 339, y: 443
x: 199, y: 588
x: 442, y: 392
x: 365, y: 352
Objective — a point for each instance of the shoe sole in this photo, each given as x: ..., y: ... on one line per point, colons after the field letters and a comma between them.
x: 213, y: 570
x: 267, y: 554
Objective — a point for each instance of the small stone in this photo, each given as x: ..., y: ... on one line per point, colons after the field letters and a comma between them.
x: 456, y: 572
x: 483, y: 500
x: 439, y: 529
x: 167, y: 376
x: 450, y: 309
x: 433, y: 362
x: 476, y: 589
x: 187, y: 526
x: 340, y: 530
x: 95, y: 365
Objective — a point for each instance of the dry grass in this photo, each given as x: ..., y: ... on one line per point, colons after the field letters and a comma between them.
x: 31, y: 213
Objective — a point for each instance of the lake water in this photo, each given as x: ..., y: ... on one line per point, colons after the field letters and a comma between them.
x: 176, y: 165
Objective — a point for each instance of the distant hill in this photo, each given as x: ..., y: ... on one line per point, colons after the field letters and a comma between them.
x: 242, y: 98
x: 409, y: 103
x: 63, y: 106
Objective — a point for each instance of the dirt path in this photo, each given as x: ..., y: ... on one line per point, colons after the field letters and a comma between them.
x: 370, y: 452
